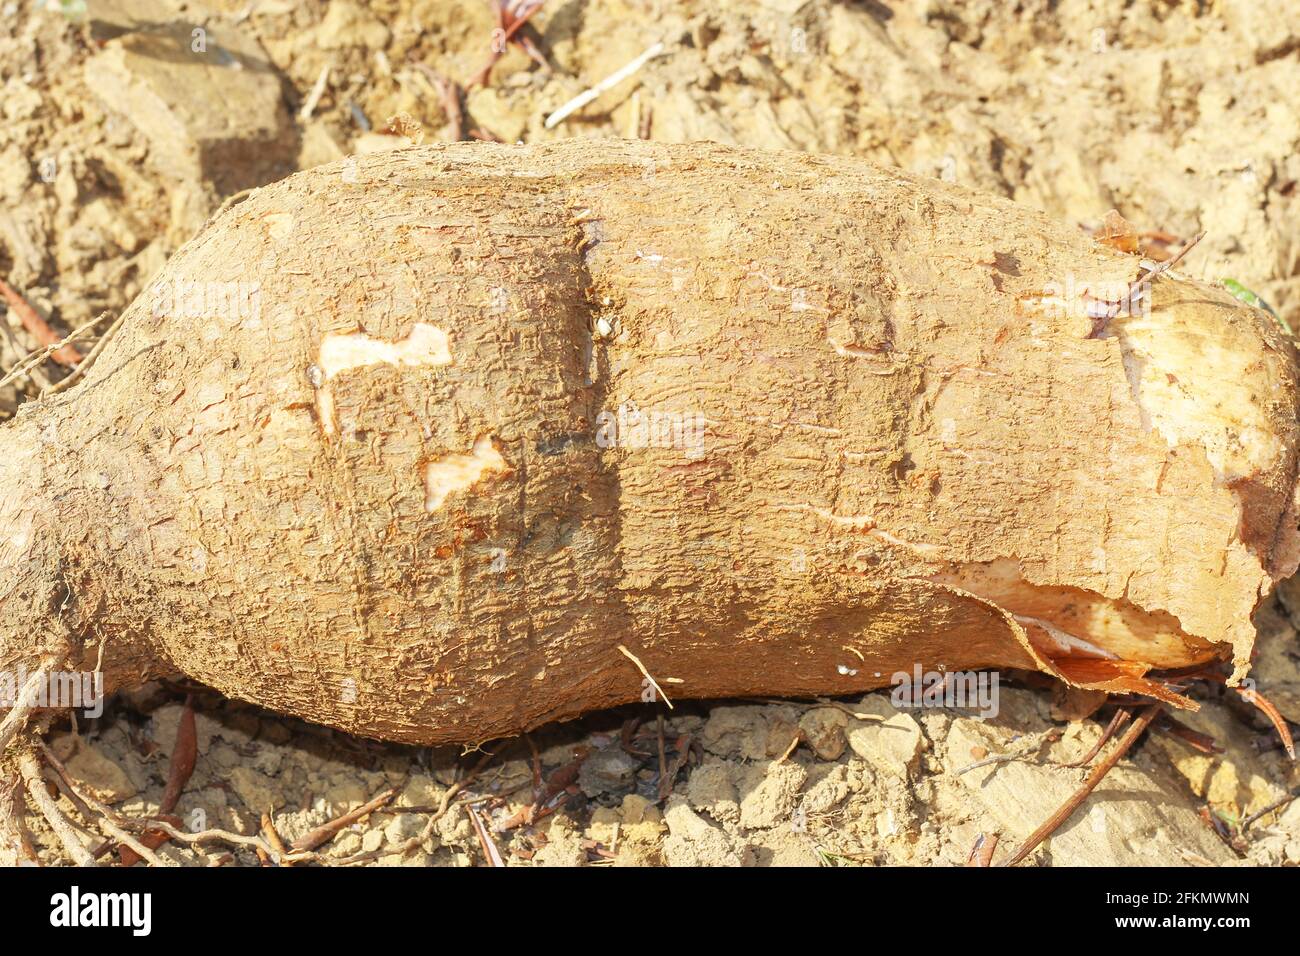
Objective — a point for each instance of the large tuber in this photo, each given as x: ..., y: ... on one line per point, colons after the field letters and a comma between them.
x: 411, y: 444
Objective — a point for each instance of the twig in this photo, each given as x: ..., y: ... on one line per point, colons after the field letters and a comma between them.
x: 609, y: 82
x: 17, y: 715
x: 100, y: 816
x: 558, y: 782
x: 179, y: 770
x: 485, y: 840
x: 1260, y: 703
x: 645, y: 673
x: 159, y: 823
x: 61, y: 352
x: 634, y: 117
x: 449, y: 92
x: 36, y: 358
x: 74, y: 798
x: 31, y: 771
x: 11, y: 818
x: 1269, y: 710
x: 1174, y: 259
x: 638, y: 127
x: 184, y: 756
x: 326, y: 831
x: 512, y: 15
x: 273, y: 836
x: 234, y: 199
x: 684, y: 745
x: 1009, y: 755
x: 1095, y: 777
x: 794, y: 743
x: 139, y: 849
x: 35, y: 374
x: 313, y: 98
x: 1175, y: 728
x: 1121, y: 717
x: 1145, y: 275
x: 663, y: 757
x: 990, y: 761
x: 412, y: 843
x: 981, y: 854
x: 205, y: 836
x: 1275, y: 805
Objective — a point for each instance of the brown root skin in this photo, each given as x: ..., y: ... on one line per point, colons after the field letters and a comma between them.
x: 32, y: 630
x: 395, y: 495
x: 45, y: 617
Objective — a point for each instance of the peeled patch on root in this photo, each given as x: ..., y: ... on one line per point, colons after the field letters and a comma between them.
x: 1189, y: 382
x: 426, y: 345
x: 457, y: 472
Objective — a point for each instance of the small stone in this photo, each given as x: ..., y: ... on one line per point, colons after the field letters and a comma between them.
x: 712, y: 789
x: 693, y: 841
x: 275, y: 732
x: 824, y: 729
x: 344, y: 795
x: 318, y: 146
x: 782, y: 733
x: 63, y: 746
x: 372, y: 840
x: 497, y: 113
x: 1236, y: 781
x: 563, y: 846
x: 251, y: 787
x: 637, y: 808
x: 207, y: 100
x: 404, y: 826
x: 772, y: 802
x: 1155, y: 821
x: 892, y: 745
x: 102, y: 776
x: 416, y: 858
x: 603, y: 822
x: 736, y: 732
x: 349, y: 24
x: 165, y: 722
x: 607, y: 771
x: 419, y: 791
x: 346, y: 843
x: 267, y: 760
x: 20, y: 101
x: 828, y: 792
x: 1292, y: 851
x: 455, y: 829
x: 242, y: 721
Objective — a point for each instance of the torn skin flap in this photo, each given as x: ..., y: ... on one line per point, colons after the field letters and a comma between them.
x: 1084, y: 638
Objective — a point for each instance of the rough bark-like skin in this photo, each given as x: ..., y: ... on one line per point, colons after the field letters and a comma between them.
x: 910, y: 455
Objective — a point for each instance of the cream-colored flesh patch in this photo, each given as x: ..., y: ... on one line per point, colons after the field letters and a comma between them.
x: 1197, y: 376
x: 426, y: 345
x: 1203, y: 383
x: 458, y: 472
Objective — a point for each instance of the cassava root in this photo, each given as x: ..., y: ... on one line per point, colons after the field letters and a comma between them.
x: 414, y: 444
